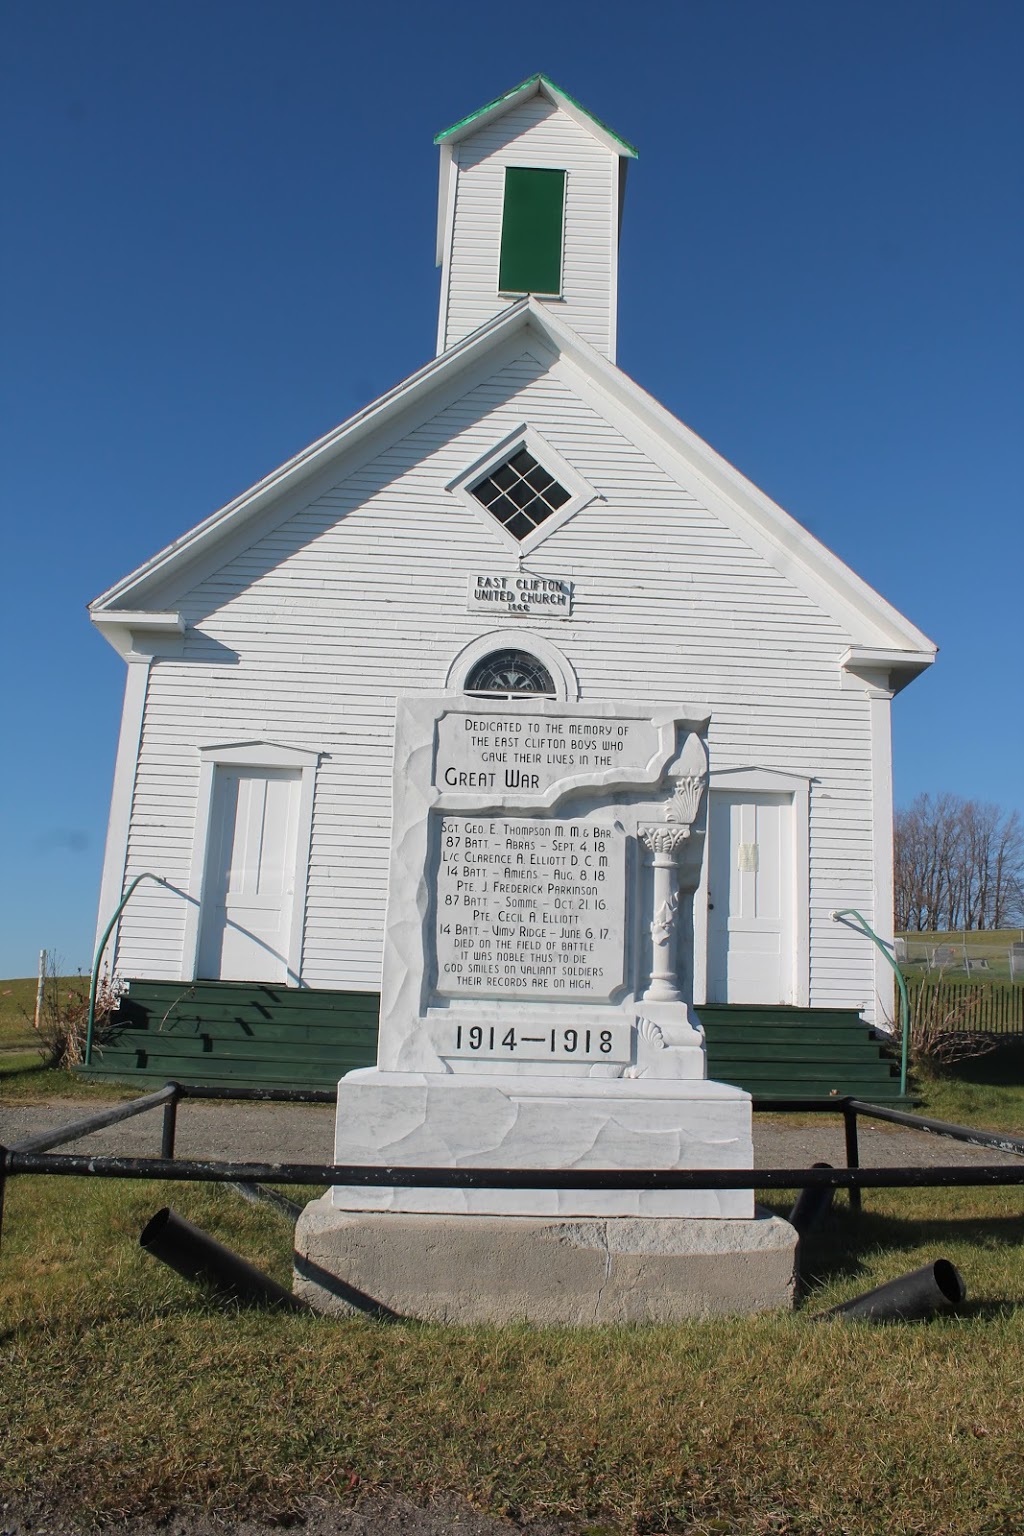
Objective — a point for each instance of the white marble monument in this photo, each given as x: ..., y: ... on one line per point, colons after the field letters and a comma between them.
x: 536, y: 1007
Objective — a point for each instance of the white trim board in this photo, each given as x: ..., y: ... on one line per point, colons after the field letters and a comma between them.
x: 115, y: 856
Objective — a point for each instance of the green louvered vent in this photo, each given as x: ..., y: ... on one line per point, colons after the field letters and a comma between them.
x: 531, y: 231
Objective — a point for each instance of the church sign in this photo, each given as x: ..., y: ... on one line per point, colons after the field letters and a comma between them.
x: 523, y: 595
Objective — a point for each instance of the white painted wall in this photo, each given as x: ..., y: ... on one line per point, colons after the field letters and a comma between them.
x: 305, y: 638
x: 534, y: 134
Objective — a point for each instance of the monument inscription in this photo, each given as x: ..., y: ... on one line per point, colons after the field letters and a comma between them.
x: 524, y: 935
x: 526, y: 754
x: 530, y: 908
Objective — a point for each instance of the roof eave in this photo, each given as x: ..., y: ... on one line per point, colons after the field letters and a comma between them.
x: 308, y: 463
x: 899, y: 667
x: 881, y: 624
x: 537, y: 85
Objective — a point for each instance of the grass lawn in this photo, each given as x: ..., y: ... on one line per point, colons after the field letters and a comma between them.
x: 987, y: 1091
x: 17, y: 1004
x: 22, y: 1049
x: 127, y: 1391
x: 992, y: 946
x: 22, y: 1075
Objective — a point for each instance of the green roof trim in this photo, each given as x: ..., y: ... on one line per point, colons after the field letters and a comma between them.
x: 538, y: 79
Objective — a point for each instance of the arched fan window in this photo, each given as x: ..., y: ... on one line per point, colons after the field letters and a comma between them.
x: 508, y: 674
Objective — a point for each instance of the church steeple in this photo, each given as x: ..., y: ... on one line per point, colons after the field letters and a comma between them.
x: 530, y: 200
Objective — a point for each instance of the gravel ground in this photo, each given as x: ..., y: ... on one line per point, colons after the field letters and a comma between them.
x: 304, y: 1133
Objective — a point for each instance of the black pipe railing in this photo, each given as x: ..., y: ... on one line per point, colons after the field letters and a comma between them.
x: 75, y: 1130
x: 32, y: 1156
x: 81, y: 1165
x: 1001, y: 1141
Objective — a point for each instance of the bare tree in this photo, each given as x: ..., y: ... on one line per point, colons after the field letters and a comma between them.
x: 958, y: 864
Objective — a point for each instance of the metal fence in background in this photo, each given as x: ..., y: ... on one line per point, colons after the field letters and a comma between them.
x: 978, y: 1007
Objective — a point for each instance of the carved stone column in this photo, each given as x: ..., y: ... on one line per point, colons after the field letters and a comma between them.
x: 663, y: 843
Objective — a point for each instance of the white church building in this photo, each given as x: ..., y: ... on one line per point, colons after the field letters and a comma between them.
x: 516, y: 517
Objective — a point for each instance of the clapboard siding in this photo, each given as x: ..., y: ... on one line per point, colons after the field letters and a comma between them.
x: 306, y: 638
x: 534, y: 133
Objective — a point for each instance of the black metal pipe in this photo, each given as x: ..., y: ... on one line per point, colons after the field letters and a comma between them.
x: 1000, y: 1141
x: 936, y: 1287
x: 169, y: 1130
x: 76, y: 1129
x: 77, y: 1165
x: 766, y: 1104
x: 811, y: 1205
x: 261, y: 1095
x: 199, y: 1257
x: 852, y: 1150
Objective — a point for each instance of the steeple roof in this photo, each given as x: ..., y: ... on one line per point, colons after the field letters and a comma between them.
x: 538, y: 85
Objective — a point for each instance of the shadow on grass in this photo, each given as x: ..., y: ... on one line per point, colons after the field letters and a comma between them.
x: 999, y: 1068
x: 35, y: 1080
x: 20, y: 1063
x: 837, y: 1249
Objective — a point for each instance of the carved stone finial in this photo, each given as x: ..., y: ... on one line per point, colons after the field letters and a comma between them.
x: 685, y: 803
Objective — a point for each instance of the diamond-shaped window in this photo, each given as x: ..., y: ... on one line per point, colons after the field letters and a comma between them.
x: 521, y: 494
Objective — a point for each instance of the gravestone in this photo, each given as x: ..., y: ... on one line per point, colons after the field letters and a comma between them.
x: 536, y: 1013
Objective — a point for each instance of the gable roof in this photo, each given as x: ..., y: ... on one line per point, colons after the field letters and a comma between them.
x: 537, y: 85
x: 878, y: 631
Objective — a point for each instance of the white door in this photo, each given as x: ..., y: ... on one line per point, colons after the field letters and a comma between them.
x: 246, y: 914
x: 750, y: 898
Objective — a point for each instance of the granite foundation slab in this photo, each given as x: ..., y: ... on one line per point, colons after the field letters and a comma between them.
x: 479, y: 1269
x: 438, y: 1120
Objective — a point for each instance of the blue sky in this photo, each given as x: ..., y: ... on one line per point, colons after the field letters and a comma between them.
x: 220, y: 236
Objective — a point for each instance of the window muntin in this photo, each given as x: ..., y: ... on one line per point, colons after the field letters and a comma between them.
x: 541, y: 472
x: 521, y: 494
x: 533, y: 218
x: 509, y: 674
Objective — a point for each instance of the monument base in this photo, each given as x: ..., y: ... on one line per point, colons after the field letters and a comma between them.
x: 506, y: 1269
x: 530, y: 1120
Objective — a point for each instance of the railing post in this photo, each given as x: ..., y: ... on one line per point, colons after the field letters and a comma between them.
x: 852, y: 1151
x: 170, y: 1123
